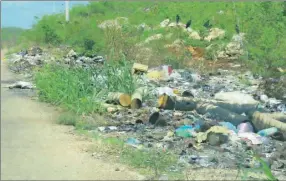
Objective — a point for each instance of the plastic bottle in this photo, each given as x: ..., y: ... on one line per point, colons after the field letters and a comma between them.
x: 268, y: 131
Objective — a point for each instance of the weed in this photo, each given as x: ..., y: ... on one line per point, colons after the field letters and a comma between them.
x: 67, y: 119
x: 155, y: 160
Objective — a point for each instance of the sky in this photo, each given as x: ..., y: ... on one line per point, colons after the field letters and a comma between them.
x: 21, y: 13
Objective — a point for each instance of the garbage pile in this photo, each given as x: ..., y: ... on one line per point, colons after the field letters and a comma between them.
x: 26, y: 60
x: 72, y: 58
x: 207, y: 120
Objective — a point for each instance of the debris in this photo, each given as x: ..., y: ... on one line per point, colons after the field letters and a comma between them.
x: 216, y: 139
x: 235, y: 98
x: 119, y: 98
x: 202, y: 136
x: 229, y: 126
x: 254, y: 138
x: 186, y: 131
x: 187, y: 94
x: 157, y: 119
x: 133, y: 142
x: 264, y: 120
x: 22, y: 85
x: 176, y: 102
x: 268, y: 132
x: 220, y: 113
x: 136, y: 99
x: 165, y: 90
x: 245, y: 128
x: 139, y: 68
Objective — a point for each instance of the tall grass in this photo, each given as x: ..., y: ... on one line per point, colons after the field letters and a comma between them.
x: 79, y: 90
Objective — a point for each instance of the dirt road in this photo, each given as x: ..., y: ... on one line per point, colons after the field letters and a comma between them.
x: 33, y: 147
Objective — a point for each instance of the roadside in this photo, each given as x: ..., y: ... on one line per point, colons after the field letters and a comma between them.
x: 34, y: 147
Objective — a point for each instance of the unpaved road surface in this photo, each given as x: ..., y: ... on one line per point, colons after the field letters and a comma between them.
x: 34, y: 147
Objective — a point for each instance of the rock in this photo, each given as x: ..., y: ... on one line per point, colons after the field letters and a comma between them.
x: 234, y: 48
x: 117, y: 23
x: 194, y: 35
x: 172, y: 24
x: 154, y: 37
x: 215, y: 33
x: 72, y: 54
x: 235, y: 98
x: 165, y: 23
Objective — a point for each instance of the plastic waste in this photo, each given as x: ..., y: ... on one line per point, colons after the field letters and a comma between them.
x: 268, y: 132
x: 165, y: 90
x: 187, y: 131
x: 254, y: 138
x: 228, y: 125
x: 245, y: 128
x: 133, y: 141
x: 160, y: 73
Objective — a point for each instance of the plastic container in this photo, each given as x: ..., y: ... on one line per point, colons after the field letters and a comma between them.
x: 186, y: 131
x: 245, y: 128
x: 268, y: 132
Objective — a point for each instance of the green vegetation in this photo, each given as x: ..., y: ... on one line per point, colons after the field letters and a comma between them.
x: 10, y: 36
x: 75, y: 90
x: 67, y: 119
x: 263, y: 22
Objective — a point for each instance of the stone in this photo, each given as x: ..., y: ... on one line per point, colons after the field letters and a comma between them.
x: 215, y: 33
x: 194, y: 35
x: 164, y: 23
x: 72, y: 54
x: 154, y: 37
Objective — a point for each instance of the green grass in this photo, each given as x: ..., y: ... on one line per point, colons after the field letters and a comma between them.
x: 67, y: 119
x: 73, y: 88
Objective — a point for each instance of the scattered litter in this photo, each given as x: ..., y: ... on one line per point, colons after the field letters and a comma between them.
x: 22, y: 85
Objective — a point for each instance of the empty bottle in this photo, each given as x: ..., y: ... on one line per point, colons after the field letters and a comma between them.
x: 268, y: 132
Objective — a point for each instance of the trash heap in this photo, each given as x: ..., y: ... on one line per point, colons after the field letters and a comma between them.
x: 208, y: 120
x: 219, y: 120
x: 26, y: 60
